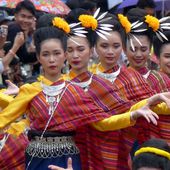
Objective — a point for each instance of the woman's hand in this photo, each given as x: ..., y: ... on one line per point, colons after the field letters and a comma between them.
x: 158, y: 98
x: 12, y: 88
x: 69, y: 166
x: 145, y: 112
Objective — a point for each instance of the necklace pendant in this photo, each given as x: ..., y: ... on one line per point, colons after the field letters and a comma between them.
x: 51, y: 99
x: 58, y: 99
x: 86, y: 89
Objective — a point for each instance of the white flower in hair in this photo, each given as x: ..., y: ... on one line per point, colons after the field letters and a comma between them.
x: 68, y: 29
x: 158, y: 26
x: 130, y: 28
x: 95, y: 22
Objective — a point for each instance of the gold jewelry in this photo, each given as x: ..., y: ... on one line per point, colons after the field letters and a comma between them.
x: 153, y: 150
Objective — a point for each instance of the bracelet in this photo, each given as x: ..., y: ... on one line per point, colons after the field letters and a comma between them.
x: 10, y: 51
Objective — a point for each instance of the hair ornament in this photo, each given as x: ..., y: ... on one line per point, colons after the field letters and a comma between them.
x: 130, y: 28
x: 68, y: 29
x: 153, y: 150
x: 95, y: 22
x: 158, y: 26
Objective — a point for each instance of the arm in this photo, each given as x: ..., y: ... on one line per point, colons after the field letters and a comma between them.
x: 142, y: 108
x: 5, y: 99
x: 115, y: 122
x: 18, y: 106
x: 154, y: 103
x: 18, y: 42
x: 17, y: 128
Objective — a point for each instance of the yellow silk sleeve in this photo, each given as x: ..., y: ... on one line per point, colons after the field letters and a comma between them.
x: 115, y: 122
x: 5, y: 99
x: 123, y: 120
x: 120, y: 121
x: 160, y: 109
x: 16, y: 129
x: 18, y: 106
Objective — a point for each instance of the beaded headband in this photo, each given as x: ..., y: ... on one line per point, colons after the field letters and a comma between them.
x: 95, y: 22
x: 158, y: 26
x: 156, y: 151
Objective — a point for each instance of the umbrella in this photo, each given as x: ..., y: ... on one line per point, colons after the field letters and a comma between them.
x: 112, y: 3
x: 159, y: 4
x: 50, y: 6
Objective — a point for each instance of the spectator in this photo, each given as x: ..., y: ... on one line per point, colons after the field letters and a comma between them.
x: 24, y: 21
x: 18, y: 41
x: 4, y: 19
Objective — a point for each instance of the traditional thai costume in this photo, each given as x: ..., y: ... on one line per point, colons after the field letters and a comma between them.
x: 159, y: 82
x: 53, y: 124
x: 133, y: 86
x: 54, y: 117
x: 103, y: 152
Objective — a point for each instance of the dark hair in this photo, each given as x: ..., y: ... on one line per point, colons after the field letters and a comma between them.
x: 138, y: 14
x: 152, y: 160
x: 158, y: 44
x: 146, y: 3
x: 45, y: 20
x: 113, y: 20
x: 73, y: 16
x: 73, y: 4
x: 46, y: 33
x: 89, y: 6
x: 25, y: 4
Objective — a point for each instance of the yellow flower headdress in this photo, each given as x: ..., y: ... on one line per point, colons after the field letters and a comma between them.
x: 68, y: 28
x: 158, y: 26
x: 153, y: 150
x: 94, y: 22
x: 130, y: 28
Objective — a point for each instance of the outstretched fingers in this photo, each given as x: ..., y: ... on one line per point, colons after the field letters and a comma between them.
x: 151, y: 117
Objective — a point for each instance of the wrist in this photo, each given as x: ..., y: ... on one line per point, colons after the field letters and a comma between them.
x: 133, y: 116
x: 15, y: 48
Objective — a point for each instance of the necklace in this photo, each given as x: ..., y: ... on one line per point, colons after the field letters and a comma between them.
x: 52, y: 95
x: 51, y: 113
x: 85, y: 85
x: 146, y: 75
x: 109, y: 76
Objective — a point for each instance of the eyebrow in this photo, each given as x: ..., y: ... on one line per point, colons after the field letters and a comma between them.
x: 78, y: 45
x: 166, y: 53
